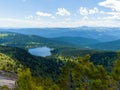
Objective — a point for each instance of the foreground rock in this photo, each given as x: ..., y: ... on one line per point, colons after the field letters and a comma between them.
x: 8, y: 79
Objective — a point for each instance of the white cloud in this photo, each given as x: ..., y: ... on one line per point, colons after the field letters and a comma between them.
x: 29, y: 17
x: 113, y: 4
x: 63, y: 12
x: 84, y: 11
x: 19, y: 23
x: 43, y: 14
x: 113, y: 16
x: 102, y: 12
x: 85, y: 18
x: 67, y: 19
x: 94, y: 10
x: 53, y: 17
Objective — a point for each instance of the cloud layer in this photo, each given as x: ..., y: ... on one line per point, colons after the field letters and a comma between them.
x: 63, y: 12
x: 43, y: 14
x: 113, y: 4
x: 85, y: 11
x: 105, y: 13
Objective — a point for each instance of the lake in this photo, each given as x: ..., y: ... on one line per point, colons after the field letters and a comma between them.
x: 40, y: 51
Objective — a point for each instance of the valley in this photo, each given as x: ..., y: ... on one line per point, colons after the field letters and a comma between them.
x: 47, y: 57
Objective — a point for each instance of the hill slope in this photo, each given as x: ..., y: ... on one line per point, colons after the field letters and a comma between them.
x: 113, y: 45
x: 32, y: 41
x: 27, y: 41
x: 77, y: 41
x: 105, y: 58
x: 45, y: 67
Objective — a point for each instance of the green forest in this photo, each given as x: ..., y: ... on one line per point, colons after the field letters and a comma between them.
x: 80, y: 73
x: 76, y: 74
x: 67, y: 68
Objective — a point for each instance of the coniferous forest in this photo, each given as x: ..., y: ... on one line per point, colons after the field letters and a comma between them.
x: 69, y: 67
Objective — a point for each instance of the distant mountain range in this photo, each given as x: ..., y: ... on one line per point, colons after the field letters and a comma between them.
x: 32, y: 41
x: 100, y: 38
x: 77, y: 41
x: 99, y: 33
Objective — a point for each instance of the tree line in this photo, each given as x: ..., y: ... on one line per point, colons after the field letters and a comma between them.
x: 76, y: 74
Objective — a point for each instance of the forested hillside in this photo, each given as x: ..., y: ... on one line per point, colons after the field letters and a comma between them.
x: 76, y: 74
x: 28, y: 41
x: 67, y: 68
x: 45, y: 67
x: 78, y: 41
x: 98, y: 57
x: 32, y: 41
x: 113, y: 45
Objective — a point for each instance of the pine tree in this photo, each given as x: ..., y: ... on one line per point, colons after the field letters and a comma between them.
x: 65, y: 80
x: 25, y: 80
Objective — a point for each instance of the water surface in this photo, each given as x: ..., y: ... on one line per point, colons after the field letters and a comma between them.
x: 40, y: 51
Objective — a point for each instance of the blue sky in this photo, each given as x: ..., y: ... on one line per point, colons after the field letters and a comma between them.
x: 59, y: 13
